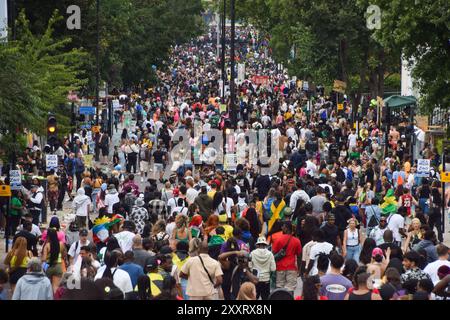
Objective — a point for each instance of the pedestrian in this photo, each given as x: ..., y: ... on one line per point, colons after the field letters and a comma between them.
x: 263, y: 261
x: 287, y: 252
x: 16, y: 261
x: 351, y: 244
x: 54, y: 255
x: 204, y: 275
x: 81, y: 206
x: 34, y: 285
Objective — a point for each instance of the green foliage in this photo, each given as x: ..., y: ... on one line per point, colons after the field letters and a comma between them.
x: 35, y: 76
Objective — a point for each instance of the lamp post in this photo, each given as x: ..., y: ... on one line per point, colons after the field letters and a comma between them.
x: 233, y: 73
x: 222, y: 62
x: 97, y: 90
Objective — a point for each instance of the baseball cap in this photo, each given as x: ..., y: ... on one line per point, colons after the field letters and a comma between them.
x: 377, y: 252
x: 151, y: 262
x: 84, y: 233
x: 261, y: 240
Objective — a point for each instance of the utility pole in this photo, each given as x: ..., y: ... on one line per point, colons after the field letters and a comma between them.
x: 233, y: 73
x: 224, y: 23
x: 97, y: 90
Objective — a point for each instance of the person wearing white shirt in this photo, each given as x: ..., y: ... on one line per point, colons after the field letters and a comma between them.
x: 432, y: 268
x: 296, y: 195
x: 396, y: 223
x: 111, y: 198
x: 120, y: 277
x: 321, y: 247
x: 191, y: 193
x: 125, y: 237
x: 74, y: 249
x: 352, y: 137
x: 311, y: 168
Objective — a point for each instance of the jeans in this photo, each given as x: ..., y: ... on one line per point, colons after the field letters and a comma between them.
x: 423, y: 205
x: 183, y: 283
x: 353, y: 253
x: 36, y: 214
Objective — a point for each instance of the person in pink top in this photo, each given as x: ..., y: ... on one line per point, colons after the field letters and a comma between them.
x: 54, y: 223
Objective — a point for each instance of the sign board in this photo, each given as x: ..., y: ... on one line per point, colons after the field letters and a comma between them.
x: 15, y: 180
x: 230, y: 162
x: 423, y: 168
x: 5, y: 191
x: 88, y: 110
x: 52, y: 161
x: 116, y: 104
x: 261, y: 80
x: 445, y: 176
x: 339, y: 86
x: 340, y: 106
x: 86, y: 126
x: 422, y: 122
x: 305, y: 86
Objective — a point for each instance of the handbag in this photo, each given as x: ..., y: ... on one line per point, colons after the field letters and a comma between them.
x: 282, y: 253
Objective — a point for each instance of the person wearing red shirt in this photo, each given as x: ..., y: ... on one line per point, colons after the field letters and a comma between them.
x: 406, y: 200
x: 287, y: 266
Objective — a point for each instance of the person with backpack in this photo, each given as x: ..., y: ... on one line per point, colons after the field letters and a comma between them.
x: 372, y: 214
x: 75, y: 248
x: 287, y: 251
x: 79, y: 169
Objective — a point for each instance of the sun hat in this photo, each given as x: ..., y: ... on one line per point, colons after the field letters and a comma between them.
x: 261, y: 240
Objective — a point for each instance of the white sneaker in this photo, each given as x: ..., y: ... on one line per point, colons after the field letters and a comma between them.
x: 142, y: 179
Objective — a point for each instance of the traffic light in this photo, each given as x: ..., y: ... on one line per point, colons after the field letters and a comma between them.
x: 52, y: 130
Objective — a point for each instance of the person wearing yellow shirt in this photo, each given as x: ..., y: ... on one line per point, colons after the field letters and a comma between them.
x: 228, y: 229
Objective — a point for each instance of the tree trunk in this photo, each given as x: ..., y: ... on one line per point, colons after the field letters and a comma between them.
x: 381, y: 70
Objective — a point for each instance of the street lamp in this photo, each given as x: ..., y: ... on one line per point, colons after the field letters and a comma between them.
x: 233, y: 74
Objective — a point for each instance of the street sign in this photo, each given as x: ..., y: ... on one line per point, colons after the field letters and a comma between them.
x: 230, y: 163
x: 116, y: 104
x: 305, y: 86
x: 423, y: 168
x: 51, y: 161
x: 445, y: 176
x: 15, y: 180
x: 5, y: 191
x: 339, y: 86
x: 87, y: 110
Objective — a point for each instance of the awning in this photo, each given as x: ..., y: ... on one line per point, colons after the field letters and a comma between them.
x: 400, y: 101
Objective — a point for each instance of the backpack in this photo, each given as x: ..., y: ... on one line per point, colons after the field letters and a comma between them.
x: 349, y: 176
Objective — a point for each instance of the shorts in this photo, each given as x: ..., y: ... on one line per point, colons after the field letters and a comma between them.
x: 54, y: 271
x: 16, y: 275
x: 287, y: 279
x: 158, y: 167
x: 105, y: 151
x: 144, y: 166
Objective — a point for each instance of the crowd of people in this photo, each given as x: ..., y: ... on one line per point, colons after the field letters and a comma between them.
x: 340, y: 220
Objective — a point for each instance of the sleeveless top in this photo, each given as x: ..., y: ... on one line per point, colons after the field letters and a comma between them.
x: 366, y: 296
x: 352, y: 238
x: 186, y: 239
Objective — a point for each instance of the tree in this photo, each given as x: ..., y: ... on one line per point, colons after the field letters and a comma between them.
x: 35, y: 76
x: 421, y: 31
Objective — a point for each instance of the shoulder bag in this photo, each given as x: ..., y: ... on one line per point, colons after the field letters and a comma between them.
x: 282, y: 253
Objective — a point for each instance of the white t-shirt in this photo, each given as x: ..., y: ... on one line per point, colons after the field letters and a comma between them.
x: 121, y: 278
x: 320, y: 247
x: 74, y: 249
x: 110, y: 200
x: 191, y: 194
x: 82, y: 209
x: 228, y: 204
x: 352, y: 140
x: 432, y: 268
x: 396, y: 222
x: 125, y: 239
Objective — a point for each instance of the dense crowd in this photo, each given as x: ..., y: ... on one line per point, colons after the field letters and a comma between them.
x: 339, y: 220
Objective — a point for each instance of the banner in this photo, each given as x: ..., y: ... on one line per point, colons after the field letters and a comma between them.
x: 423, y: 168
x: 51, y: 161
x: 15, y: 180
